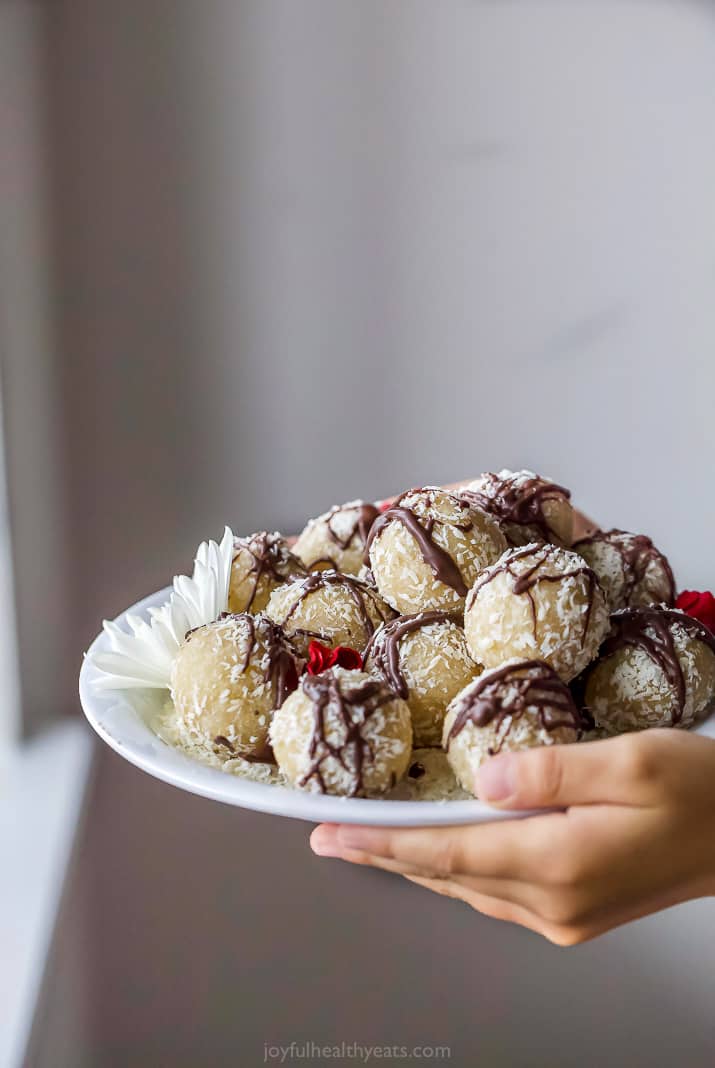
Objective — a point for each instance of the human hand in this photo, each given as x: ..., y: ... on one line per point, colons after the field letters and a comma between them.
x: 636, y: 835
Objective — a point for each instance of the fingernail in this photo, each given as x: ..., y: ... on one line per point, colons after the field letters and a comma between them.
x: 496, y: 780
x: 324, y: 842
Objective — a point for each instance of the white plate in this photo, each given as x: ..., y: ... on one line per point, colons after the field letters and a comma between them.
x: 123, y: 719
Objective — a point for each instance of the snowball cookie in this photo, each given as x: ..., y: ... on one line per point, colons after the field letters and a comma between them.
x: 519, y: 705
x: 343, y: 732
x: 226, y: 680
x: 539, y: 601
x: 334, y: 609
x: 655, y: 669
x: 427, y: 549
x: 260, y: 565
x: 424, y: 659
x: 529, y: 507
x: 337, y: 538
x: 631, y: 570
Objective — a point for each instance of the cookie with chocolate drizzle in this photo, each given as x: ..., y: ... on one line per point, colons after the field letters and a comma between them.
x: 655, y: 669
x: 519, y: 705
x: 330, y: 607
x: 343, y: 732
x: 260, y: 565
x: 424, y: 659
x: 427, y: 549
x: 529, y: 508
x: 632, y: 572
x: 337, y: 539
x: 227, y: 679
x: 540, y: 602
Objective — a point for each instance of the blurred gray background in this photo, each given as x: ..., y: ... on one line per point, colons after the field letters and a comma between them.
x: 269, y: 254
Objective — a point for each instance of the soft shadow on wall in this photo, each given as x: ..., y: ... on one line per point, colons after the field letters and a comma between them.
x: 312, y: 251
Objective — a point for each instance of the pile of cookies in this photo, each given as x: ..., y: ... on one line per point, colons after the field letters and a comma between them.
x: 466, y: 619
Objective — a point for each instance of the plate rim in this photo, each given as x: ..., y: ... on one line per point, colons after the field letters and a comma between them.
x: 176, y: 768
x: 170, y: 765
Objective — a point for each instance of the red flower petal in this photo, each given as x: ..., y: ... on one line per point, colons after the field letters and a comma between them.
x: 347, y: 658
x: 319, y: 658
x: 700, y: 605
x: 322, y: 657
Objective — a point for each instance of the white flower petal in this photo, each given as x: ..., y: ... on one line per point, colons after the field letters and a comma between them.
x: 142, y: 655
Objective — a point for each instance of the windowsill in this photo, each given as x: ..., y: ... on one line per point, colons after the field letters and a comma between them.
x: 42, y: 790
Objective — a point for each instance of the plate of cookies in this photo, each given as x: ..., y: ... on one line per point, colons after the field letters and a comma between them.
x: 365, y: 669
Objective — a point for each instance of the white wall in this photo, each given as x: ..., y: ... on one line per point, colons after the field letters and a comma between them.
x: 316, y: 249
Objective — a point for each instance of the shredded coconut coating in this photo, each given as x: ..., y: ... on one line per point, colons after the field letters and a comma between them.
x: 561, y: 619
x: 222, y: 688
x: 614, y: 575
x: 435, y: 783
x: 518, y: 723
x: 386, y: 735
x: 473, y: 745
x: 557, y: 512
x: 261, y: 563
x: 365, y: 575
x: 436, y: 665
x: 198, y: 748
x: 333, y: 539
x: 628, y: 691
x: 403, y: 576
x: 429, y: 778
x: 330, y: 614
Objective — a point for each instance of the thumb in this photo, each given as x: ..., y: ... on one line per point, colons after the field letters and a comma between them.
x: 613, y: 770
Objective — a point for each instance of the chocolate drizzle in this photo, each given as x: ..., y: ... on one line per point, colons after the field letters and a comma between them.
x: 351, y: 705
x: 280, y: 666
x: 526, y: 581
x: 365, y: 516
x: 220, y: 739
x: 271, y: 558
x: 637, y: 552
x: 437, y: 558
x: 517, y: 500
x: 279, y: 663
x: 505, y: 695
x: 651, y: 630
x: 358, y: 590
x: 384, y: 646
